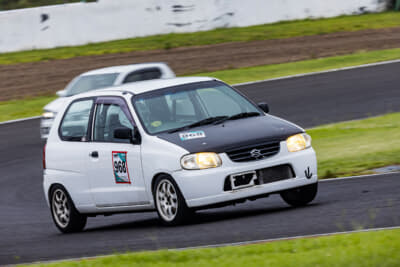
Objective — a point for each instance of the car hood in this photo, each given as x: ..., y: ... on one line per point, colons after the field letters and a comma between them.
x: 55, y: 105
x: 232, y: 134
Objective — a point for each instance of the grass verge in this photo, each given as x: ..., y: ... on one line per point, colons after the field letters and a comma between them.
x: 351, y: 250
x: 279, y: 30
x: 17, y: 109
x: 356, y: 147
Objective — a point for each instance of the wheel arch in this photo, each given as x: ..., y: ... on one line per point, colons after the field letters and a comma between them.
x: 64, y: 188
x: 153, y: 180
x: 173, y: 181
x: 51, y: 188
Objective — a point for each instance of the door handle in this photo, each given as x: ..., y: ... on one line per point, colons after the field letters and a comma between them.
x: 94, y: 154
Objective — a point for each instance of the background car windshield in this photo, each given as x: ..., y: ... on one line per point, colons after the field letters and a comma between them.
x: 90, y: 82
x: 172, y: 110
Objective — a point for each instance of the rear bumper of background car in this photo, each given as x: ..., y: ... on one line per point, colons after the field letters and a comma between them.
x: 209, y: 187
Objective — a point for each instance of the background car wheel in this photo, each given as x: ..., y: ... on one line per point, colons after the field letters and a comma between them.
x: 63, y: 211
x: 169, y: 201
x: 300, y: 196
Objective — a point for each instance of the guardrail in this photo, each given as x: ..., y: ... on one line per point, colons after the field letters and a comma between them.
x: 105, y: 20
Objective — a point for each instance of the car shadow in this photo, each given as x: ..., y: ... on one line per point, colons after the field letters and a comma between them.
x: 216, y: 215
x: 201, y: 217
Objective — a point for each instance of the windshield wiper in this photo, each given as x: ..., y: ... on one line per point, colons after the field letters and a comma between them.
x: 238, y: 116
x: 199, y: 123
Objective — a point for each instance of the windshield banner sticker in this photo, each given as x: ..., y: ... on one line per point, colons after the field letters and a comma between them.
x: 120, y: 167
x: 192, y: 135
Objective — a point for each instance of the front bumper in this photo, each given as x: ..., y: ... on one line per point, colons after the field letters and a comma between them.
x: 206, y: 187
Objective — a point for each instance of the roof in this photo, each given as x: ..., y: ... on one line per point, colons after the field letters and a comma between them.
x: 123, y: 68
x: 146, y: 86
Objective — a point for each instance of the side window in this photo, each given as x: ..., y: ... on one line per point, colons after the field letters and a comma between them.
x: 143, y: 75
x: 74, y: 126
x: 110, y: 117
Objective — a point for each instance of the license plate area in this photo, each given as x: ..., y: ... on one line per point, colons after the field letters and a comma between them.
x: 243, y: 180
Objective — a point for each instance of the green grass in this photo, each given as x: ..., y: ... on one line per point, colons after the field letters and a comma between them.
x: 367, y: 249
x: 245, y: 34
x: 17, y: 109
x: 355, y: 147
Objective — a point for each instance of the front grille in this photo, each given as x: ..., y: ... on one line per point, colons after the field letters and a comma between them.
x: 267, y: 175
x: 254, y: 152
x: 274, y: 174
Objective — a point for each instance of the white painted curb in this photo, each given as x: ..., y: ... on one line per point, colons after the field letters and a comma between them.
x: 356, y: 177
x: 20, y: 120
x: 321, y: 72
x: 286, y: 238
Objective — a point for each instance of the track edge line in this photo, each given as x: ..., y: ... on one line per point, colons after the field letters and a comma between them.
x: 269, y: 80
x: 20, y: 120
x: 321, y: 72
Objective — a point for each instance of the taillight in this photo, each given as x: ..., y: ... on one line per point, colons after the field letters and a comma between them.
x: 44, y: 157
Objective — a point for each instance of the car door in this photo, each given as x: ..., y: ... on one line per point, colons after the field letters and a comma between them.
x: 115, y: 169
x: 66, y: 155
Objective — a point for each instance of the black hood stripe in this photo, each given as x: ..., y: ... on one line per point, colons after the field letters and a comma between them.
x: 234, y: 134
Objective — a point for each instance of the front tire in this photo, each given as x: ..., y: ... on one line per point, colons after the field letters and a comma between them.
x: 169, y: 201
x: 300, y: 196
x: 65, y: 216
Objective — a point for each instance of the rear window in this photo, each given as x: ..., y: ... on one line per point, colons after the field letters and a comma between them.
x: 143, y: 75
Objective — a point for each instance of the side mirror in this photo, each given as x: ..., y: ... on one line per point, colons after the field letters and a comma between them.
x: 128, y: 134
x: 61, y: 93
x: 264, y: 106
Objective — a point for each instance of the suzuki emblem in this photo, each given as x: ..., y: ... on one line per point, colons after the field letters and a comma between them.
x: 255, y: 153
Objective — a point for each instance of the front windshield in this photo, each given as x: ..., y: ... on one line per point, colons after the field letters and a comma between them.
x: 90, y: 82
x: 177, y: 107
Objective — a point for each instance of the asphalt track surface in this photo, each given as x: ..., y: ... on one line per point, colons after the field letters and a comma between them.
x: 27, y: 232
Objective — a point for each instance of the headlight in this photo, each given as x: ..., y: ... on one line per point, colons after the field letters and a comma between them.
x: 49, y: 115
x: 298, y: 142
x: 201, y: 161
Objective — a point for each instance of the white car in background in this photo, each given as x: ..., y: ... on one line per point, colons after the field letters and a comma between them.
x: 101, y: 78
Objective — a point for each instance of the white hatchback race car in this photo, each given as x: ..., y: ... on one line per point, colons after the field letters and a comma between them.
x: 173, y: 146
x: 101, y: 78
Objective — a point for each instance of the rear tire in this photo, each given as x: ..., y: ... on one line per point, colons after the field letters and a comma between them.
x: 169, y: 201
x: 65, y: 216
x: 300, y: 196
